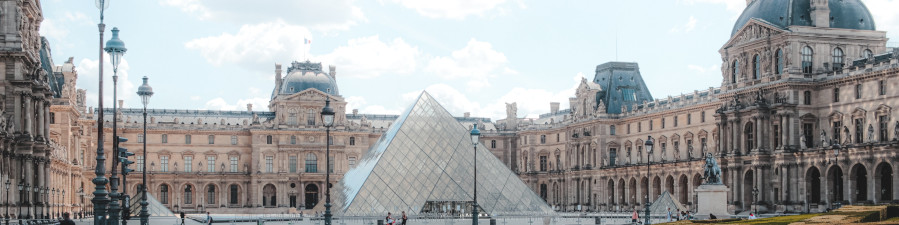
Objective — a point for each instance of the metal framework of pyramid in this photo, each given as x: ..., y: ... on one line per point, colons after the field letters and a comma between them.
x: 424, y: 158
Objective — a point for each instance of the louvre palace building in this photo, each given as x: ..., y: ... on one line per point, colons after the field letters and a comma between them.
x: 801, y: 122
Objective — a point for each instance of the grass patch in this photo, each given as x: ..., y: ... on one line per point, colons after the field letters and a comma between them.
x: 780, y: 220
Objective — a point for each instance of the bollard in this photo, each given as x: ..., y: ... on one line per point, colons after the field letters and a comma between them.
x: 492, y: 221
x: 380, y: 222
x: 597, y: 220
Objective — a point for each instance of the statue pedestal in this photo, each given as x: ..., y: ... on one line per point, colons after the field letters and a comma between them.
x: 712, y: 200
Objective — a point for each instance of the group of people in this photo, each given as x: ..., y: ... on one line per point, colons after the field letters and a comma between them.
x: 390, y: 221
x: 672, y: 216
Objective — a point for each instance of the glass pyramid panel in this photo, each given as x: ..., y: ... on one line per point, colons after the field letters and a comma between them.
x: 424, y: 163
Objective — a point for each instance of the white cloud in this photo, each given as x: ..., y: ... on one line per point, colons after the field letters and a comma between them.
x: 687, y: 27
x: 369, y: 57
x: 885, y: 16
x: 254, y: 46
x: 87, y: 79
x: 319, y: 15
x: 477, y: 62
x: 195, y: 98
x: 240, y: 105
x: 734, y: 6
x: 452, y: 9
x: 355, y: 102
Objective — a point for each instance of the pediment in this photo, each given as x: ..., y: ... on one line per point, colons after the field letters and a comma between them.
x: 311, y: 94
x: 755, y: 29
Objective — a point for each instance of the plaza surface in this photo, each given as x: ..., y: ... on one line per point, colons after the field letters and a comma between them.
x: 619, y: 219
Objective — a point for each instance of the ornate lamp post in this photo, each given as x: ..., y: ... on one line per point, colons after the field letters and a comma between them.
x: 755, y: 199
x: 475, y: 135
x: 145, y: 92
x: 648, y: 147
x: 81, y: 202
x: 100, y: 198
x: 19, y: 210
x: 328, y: 120
x: 7, y: 201
x: 62, y: 201
x: 116, y: 49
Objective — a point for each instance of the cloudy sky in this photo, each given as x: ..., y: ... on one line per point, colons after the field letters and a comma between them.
x: 473, y: 55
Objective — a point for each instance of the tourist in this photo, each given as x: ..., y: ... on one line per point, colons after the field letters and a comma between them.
x: 208, y: 219
x: 388, y: 220
x: 752, y: 216
x: 634, y: 217
x: 669, y: 214
x: 66, y: 220
x: 182, y: 217
x: 404, y: 218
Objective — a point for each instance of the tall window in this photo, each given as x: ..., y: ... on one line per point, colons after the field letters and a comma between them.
x: 735, y: 71
x: 352, y: 140
x: 836, y: 131
x: 331, y: 164
x: 352, y: 162
x: 187, y: 139
x: 188, y: 163
x: 164, y: 194
x: 492, y: 143
x: 675, y: 121
x: 211, y: 139
x: 542, y: 139
x: 233, y: 139
x: 165, y: 138
x: 807, y: 97
x: 663, y: 124
x: 164, y: 163
x: 836, y: 94
x: 140, y: 138
x: 651, y: 122
x: 807, y: 131
x: 689, y: 118
x: 233, y: 199
x: 882, y: 87
x: 330, y: 140
x: 613, y: 153
x: 858, y: 91
x: 140, y: 163
x: 756, y: 67
x: 807, y: 55
x: 884, y: 123
x: 867, y: 54
x: 210, y: 163
x: 210, y: 195
x: 859, y: 128
x: 292, y: 118
x: 233, y: 164
x: 542, y: 163
x: 702, y: 117
x: 292, y: 161
x: 269, y: 164
x: 612, y: 130
x: 293, y: 139
x: 310, y: 117
x: 837, y: 59
x: 52, y: 118
x: 311, y: 163
x: 779, y: 61
x: 188, y: 194
x: 268, y: 139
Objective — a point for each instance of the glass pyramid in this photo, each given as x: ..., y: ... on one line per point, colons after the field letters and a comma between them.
x: 424, y: 164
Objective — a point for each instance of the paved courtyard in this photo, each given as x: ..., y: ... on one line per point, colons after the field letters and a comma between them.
x: 307, y: 221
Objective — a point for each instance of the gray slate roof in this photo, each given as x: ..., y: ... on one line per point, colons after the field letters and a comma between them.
x: 621, y: 84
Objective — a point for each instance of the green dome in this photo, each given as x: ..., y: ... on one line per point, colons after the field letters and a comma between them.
x: 846, y: 14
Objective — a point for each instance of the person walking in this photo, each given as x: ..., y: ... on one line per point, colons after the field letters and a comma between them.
x: 389, y: 219
x: 208, y: 219
x: 182, y: 217
x: 635, y: 217
x: 404, y: 218
x: 669, y: 214
x: 66, y: 220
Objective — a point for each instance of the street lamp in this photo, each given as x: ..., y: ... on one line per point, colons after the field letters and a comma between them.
x: 7, y: 201
x: 19, y: 210
x: 475, y: 135
x: 648, y: 146
x: 81, y: 202
x: 62, y: 200
x: 755, y: 199
x: 115, y: 47
x: 145, y: 92
x: 328, y: 120
x: 100, y: 198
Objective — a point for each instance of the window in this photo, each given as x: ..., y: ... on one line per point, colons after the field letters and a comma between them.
x: 140, y: 163
x: 807, y: 59
x: 612, y: 130
x: 779, y: 61
x: 858, y: 91
x: 52, y: 118
x: 352, y: 140
x: 640, y: 126
x: 352, y: 162
x: 164, y: 163
x: 210, y: 195
x: 310, y: 117
x: 613, y: 153
x: 331, y: 164
x: 702, y: 117
x: 807, y: 131
x: 269, y: 164
x: 557, y: 137
x: 628, y: 128
x: 837, y: 59
x: 756, y: 67
x: 292, y: 118
x: 651, y: 122
x: 735, y: 71
x: 233, y: 199
x: 311, y: 163
x: 165, y: 138
x: 882, y: 87
x: 164, y: 194
x: 330, y: 140
x: 867, y: 54
x: 675, y: 121
x: 836, y: 131
x: 268, y: 139
x: 776, y: 134
x: 292, y: 161
x: 807, y: 97
x: 884, y: 123
x: 210, y: 163
x: 187, y: 139
x: 293, y: 139
x: 663, y: 124
x: 492, y: 143
x: 234, y: 164
x: 233, y: 139
x: 211, y: 139
x: 543, y: 163
x: 140, y: 138
x: 188, y: 195
x: 859, y: 128
x: 542, y: 139
x: 836, y: 95
x: 188, y: 163
x: 689, y: 118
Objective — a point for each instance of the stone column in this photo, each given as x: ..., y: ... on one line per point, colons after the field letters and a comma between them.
x: 18, y: 112
x: 720, y: 136
x: 29, y: 111
x: 39, y: 107
x: 734, y: 142
x: 785, y: 183
x: 758, y: 132
x: 783, y: 131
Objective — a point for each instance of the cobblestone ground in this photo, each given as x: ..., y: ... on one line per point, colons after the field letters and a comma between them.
x: 307, y: 221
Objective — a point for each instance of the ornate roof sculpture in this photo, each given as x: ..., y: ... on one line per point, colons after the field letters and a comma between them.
x: 424, y: 163
x: 846, y: 14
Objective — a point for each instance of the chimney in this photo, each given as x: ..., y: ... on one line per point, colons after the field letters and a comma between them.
x: 277, y: 78
x: 820, y: 13
x: 355, y: 112
x: 553, y: 107
x: 121, y: 103
x: 467, y: 114
x: 333, y: 71
x: 250, y: 107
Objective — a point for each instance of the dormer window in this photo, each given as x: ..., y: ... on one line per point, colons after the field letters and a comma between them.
x: 867, y: 54
x: 837, y: 59
x: 807, y: 55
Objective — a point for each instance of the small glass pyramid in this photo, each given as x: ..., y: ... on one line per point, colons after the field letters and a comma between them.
x: 423, y: 164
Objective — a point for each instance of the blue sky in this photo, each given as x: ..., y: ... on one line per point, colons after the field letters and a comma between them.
x: 472, y: 55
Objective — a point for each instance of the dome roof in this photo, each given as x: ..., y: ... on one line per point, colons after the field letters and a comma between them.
x: 305, y: 75
x: 846, y: 14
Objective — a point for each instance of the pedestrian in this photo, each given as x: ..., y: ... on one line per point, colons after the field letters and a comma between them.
x: 208, y: 219
x: 751, y: 216
x: 66, y: 220
x: 404, y: 218
x: 669, y: 214
x: 182, y: 217
x: 389, y: 219
x: 635, y: 217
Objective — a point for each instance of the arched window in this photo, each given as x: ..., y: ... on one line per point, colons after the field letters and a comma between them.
x: 756, y: 67
x: 735, y: 70
x: 867, y: 54
x: 837, y: 59
x: 210, y: 195
x: 807, y: 55
x: 164, y: 194
x: 779, y: 61
x: 311, y: 163
x: 188, y: 194
x: 233, y: 197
